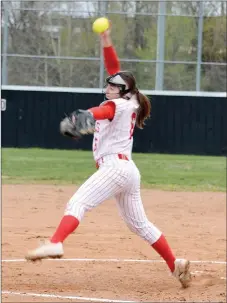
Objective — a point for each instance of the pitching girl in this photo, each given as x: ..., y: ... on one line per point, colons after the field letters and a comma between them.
x: 117, y: 175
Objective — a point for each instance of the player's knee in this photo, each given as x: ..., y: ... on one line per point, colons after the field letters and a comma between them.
x: 76, y: 208
x: 131, y: 227
x: 139, y: 229
x: 145, y: 230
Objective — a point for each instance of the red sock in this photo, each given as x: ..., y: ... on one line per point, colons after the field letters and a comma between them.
x: 162, y: 247
x: 67, y: 225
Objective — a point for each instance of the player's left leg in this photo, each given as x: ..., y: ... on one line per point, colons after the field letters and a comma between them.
x: 132, y: 211
x: 102, y: 185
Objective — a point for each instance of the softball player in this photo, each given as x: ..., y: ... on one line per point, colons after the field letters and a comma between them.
x: 117, y: 175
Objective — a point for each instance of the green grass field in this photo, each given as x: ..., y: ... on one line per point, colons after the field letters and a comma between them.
x: 168, y: 172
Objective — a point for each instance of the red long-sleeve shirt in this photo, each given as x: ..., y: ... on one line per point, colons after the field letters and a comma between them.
x: 106, y: 111
x: 112, y: 65
x: 111, y: 60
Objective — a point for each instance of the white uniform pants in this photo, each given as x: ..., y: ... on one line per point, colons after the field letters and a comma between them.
x: 119, y: 179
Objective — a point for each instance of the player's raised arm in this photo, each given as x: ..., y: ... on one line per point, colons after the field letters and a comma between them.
x: 102, y: 26
x: 111, y: 60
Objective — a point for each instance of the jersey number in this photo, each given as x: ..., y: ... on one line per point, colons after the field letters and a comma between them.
x: 133, y: 123
x: 95, y: 139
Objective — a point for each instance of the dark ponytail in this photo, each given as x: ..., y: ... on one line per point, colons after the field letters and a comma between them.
x: 144, y: 109
x: 144, y: 102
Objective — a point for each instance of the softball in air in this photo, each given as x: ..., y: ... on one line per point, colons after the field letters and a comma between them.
x: 100, y: 25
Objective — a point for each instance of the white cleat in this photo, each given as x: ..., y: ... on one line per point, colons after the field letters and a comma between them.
x: 46, y: 250
x: 182, y: 272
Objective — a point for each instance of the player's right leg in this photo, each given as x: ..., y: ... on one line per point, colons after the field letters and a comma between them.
x: 132, y: 211
x: 102, y: 185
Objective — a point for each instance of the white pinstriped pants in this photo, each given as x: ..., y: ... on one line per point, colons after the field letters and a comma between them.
x: 119, y: 179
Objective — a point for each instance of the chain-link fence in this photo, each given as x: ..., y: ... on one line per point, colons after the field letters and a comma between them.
x: 168, y: 45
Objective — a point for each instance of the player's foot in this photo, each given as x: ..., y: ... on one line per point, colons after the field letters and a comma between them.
x: 182, y: 272
x: 46, y: 250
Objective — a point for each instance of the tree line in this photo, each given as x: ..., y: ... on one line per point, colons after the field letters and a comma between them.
x: 53, y: 30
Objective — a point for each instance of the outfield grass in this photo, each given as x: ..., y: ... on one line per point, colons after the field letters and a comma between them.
x: 168, y: 172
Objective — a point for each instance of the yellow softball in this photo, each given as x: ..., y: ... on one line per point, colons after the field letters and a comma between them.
x: 100, y: 25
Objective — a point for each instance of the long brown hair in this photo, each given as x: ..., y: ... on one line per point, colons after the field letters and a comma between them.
x: 144, y: 103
